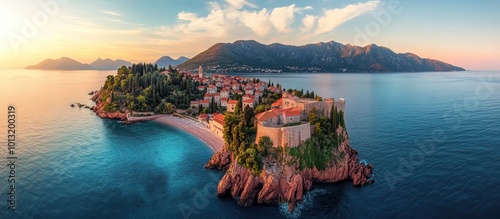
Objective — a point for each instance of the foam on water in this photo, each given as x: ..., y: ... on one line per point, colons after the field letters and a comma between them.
x: 306, y: 204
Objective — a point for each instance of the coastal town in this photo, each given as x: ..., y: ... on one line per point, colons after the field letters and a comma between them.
x: 273, y: 142
x: 285, y: 122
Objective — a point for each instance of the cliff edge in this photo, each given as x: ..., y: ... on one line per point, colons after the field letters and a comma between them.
x: 99, y: 109
x: 281, y: 182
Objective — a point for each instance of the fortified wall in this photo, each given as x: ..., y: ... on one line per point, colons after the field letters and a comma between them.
x: 306, y: 105
x: 291, y: 136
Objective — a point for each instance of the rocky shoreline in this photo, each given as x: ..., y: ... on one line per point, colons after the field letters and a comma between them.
x: 99, y: 109
x: 290, y: 184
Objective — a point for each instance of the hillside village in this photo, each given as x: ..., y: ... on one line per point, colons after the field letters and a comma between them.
x: 285, y: 122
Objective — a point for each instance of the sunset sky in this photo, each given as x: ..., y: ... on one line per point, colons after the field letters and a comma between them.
x: 462, y: 33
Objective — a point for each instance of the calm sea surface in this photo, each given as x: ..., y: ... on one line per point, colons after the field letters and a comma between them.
x: 433, y: 138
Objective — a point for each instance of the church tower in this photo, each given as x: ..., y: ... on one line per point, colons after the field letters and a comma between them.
x: 200, y: 72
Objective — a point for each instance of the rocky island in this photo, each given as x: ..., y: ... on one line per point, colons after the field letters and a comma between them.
x: 275, y: 142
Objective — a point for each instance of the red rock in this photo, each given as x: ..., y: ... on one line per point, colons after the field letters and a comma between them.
x: 290, y: 185
x: 220, y: 160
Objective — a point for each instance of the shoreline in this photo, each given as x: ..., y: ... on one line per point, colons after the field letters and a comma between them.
x: 201, y: 132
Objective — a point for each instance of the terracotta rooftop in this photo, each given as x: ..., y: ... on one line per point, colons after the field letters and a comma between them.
x: 219, y: 118
x: 267, y: 115
x: 277, y: 103
x: 289, y: 113
x: 232, y: 102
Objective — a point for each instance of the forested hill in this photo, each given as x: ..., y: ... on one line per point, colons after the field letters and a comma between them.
x: 145, y: 87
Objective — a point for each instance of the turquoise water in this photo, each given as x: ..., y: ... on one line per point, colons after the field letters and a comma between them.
x: 433, y: 138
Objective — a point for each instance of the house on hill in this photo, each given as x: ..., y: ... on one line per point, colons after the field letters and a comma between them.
x: 217, y: 124
x: 283, y: 127
x: 231, y: 105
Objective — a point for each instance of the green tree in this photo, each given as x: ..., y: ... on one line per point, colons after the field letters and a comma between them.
x: 251, y: 160
x: 264, y: 144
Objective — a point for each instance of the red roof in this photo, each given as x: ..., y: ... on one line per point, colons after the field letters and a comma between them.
x: 249, y: 96
x: 267, y: 115
x: 203, y: 116
x: 232, y: 102
x: 219, y: 118
x: 277, y: 103
x: 224, y: 99
x: 290, y: 113
x: 205, y: 101
x: 248, y: 101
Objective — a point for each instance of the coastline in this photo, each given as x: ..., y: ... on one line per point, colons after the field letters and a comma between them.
x: 198, y: 130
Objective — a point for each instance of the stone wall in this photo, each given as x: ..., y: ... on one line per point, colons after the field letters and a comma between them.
x: 281, y: 136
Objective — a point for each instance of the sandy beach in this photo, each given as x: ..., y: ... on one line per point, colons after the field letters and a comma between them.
x: 200, y: 131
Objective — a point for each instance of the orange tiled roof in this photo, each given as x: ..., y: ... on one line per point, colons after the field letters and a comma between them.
x: 289, y: 113
x: 219, y: 118
x: 267, y: 115
x: 277, y: 103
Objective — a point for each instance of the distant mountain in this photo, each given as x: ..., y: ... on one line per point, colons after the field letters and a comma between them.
x: 167, y: 60
x: 108, y: 64
x: 63, y: 63
x: 252, y: 56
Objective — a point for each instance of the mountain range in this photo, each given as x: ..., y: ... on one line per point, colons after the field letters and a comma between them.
x: 108, y: 64
x: 165, y: 61
x: 65, y: 63
x: 252, y: 56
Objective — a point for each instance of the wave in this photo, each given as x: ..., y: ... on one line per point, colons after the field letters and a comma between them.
x: 307, y: 203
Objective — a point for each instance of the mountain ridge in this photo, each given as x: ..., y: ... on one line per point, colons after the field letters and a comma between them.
x: 63, y: 63
x: 252, y: 56
x: 165, y: 61
x: 66, y: 63
x: 109, y: 64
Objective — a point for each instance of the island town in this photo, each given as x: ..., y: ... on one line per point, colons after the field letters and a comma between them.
x: 285, y: 123
x: 272, y: 142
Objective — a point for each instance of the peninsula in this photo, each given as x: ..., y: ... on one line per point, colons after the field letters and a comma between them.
x: 273, y: 143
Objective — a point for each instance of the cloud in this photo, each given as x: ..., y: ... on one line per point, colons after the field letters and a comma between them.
x: 335, y: 17
x: 308, y: 23
x: 239, y: 4
x: 112, y: 13
x: 193, y: 32
x: 187, y: 16
x: 282, y: 17
x: 257, y: 21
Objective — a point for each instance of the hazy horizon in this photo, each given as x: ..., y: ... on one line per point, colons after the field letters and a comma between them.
x: 463, y: 34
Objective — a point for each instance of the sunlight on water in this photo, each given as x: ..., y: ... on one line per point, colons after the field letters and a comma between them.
x: 76, y: 165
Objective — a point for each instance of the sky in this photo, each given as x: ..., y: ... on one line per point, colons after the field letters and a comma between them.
x: 465, y: 33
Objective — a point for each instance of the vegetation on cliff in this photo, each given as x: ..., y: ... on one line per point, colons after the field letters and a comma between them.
x: 319, y: 151
x: 145, y: 87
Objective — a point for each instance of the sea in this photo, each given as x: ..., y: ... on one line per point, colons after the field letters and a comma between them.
x: 433, y: 139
